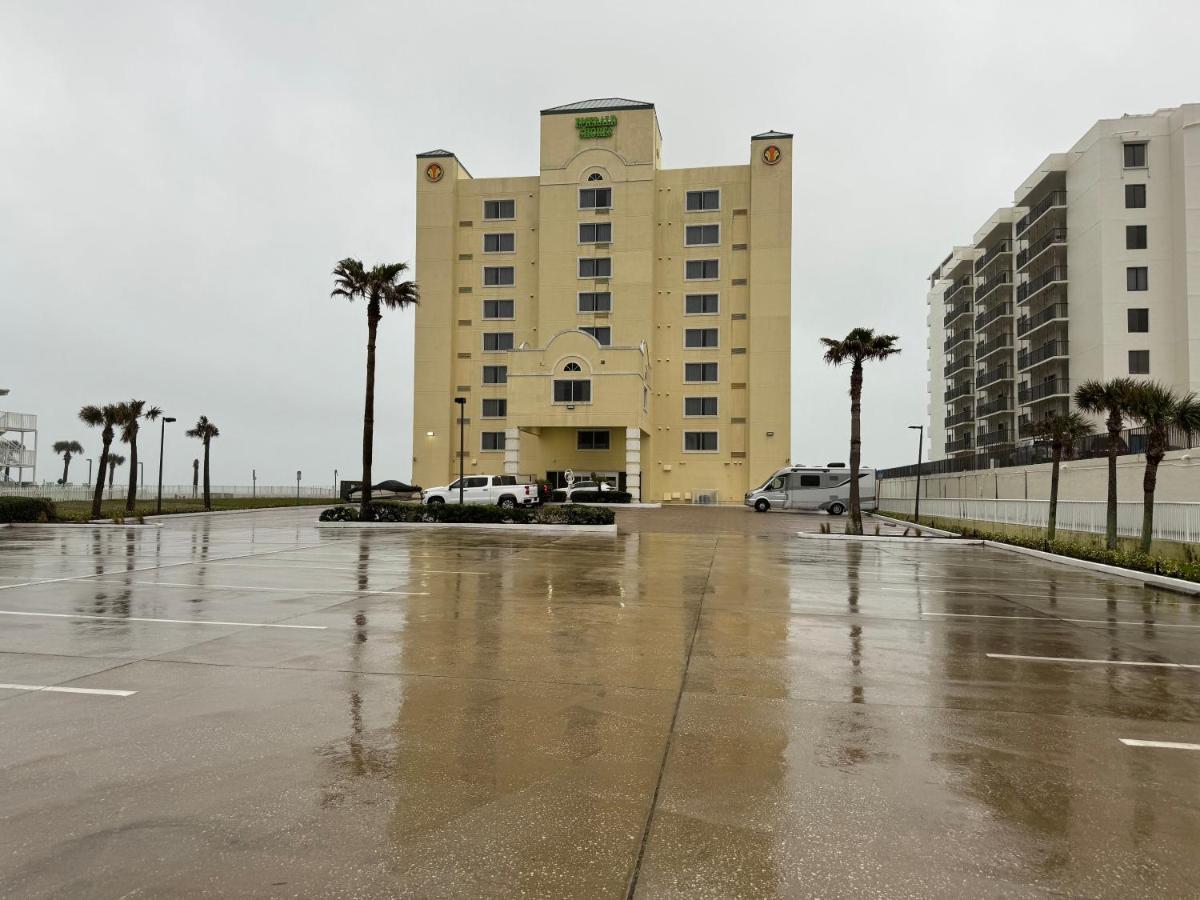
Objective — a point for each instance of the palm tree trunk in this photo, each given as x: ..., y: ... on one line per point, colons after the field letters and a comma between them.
x: 854, y: 525
x: 1110, y: 525
x: 369, y: 410
x: 112, y: 474
x: 98, y: 493
x: 66, y: 467
x: 207, y: 495
x: 131, y: 496
x: 1149, y: 482
x: 1052, y: 518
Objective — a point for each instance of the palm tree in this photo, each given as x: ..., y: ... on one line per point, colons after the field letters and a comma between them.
x: 859, y: 345
x: 1160, y: 410
x: 104, y: 417
x: 205, y: 431
x: 67, y: 449
x: 1109, y: 398
x: 380, y: 288
x: 132, y: 413
x: 114, y: 460
x: 1062, y: 431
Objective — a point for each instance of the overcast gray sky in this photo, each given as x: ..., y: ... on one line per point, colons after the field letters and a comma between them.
x: 178, y: 179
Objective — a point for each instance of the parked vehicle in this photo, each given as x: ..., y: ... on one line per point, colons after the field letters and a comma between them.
x: 386, y: 490
x: 497, y: 490
x: 825, y: 488
x: 577, y: 486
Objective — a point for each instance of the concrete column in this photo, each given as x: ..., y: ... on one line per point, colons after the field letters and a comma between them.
x: 633, y: 463
x: 512, y: 451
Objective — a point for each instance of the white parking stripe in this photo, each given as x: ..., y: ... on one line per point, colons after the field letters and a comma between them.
x: 1057, y: 619
x: 1165, y: 745
x: 13, y: 612
x: 66, y: 690
x: 1099, y: 662
x: 252, y: 587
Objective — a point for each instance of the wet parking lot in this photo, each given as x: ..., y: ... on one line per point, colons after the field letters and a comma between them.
x: 702, y: 705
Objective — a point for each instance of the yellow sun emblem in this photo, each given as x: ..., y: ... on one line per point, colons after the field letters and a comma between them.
x: 434, y: 172
x: 772, y: 155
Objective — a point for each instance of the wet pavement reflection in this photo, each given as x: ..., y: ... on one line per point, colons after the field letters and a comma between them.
x: 701, y: 705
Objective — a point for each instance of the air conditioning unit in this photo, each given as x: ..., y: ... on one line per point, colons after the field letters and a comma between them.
x: 705, y: 497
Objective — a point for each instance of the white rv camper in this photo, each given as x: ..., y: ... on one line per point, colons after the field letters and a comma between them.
x: 813, y: 488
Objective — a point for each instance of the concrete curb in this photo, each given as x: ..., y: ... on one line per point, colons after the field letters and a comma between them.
x: 477, y: 526
x: 1178, y: 585
x: 240, y: 512
x: 97, y: 524
x: 927, y: 529
x: 889, y: 539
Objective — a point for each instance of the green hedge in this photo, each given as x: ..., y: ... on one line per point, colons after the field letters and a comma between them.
x: 26, y: 509
x: 453, y: 513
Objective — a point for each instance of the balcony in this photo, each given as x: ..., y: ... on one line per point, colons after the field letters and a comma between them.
x: 987, y: 348
x: 963, y: 390
x: 964, y: 362
x: 1025, y: 428
x: 960, y: 417
x: 1048, y: 351
x: 986, y: 318
x: 1000, y: 373
x: 16, y: 456
x: 992, y: 438
x: 955, y: 340
x: 1053, y: 387
x: 989, y: 286
x: 993, y: 253
x: 1053, y: 200
x: 1037, y: 284
x: 1055, y: 312
x: 963, y: 443
x: 953, y: 312
x: 991, y: 407
x: 955, y: 292
x: 1056, y: 237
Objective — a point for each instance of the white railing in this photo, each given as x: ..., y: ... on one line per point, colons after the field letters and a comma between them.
x: 58, y: 493
x: 1172, y: 521
x: 15, y: 456
x: 12, y: 421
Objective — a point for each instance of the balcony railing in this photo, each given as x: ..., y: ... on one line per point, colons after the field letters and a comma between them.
x: 953, y: 312
x: 982, y: 292
x: 1052, y: 313
x: 1039, y: 209
x: 964, y: 362
x: 15, y: 421
x: 963, y: 443
x: 955, y: 340
x: 993, y: 253
x: 1000, y: 404
x: 1034, y: 250
x: 1040, y: 281
x: 958, y: 418
x: 16, y: 456
x: 992, y: 438
x: 986, y: 318
x: 1053, y: 387
x: 986, y: 348
x: 1049, y: 350
x: 1000, y: 373
x: 963, y: 390
x: 954, y: 292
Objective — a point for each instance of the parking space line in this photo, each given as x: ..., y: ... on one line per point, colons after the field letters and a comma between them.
x: 66, y: 690
x: 1099, y: 662
x: 1058, y: 619
x: 12, y: 612
x: 1165, y: 745
x: 250, y: 587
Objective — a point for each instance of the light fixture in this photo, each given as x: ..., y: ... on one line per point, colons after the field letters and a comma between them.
x: 429, y: 434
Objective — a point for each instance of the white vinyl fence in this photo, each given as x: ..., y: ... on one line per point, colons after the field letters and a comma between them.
x: 59, y: 493
x: 1172, y: 521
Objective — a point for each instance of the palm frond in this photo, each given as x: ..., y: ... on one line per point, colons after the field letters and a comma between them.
x: 91, y: 415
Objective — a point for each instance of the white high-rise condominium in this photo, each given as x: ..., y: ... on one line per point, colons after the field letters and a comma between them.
x: 1093, y: 272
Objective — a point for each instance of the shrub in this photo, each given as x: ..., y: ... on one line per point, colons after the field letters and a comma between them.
x: 601, y: 497
x: 339, y: 514
x: 455, y: 514
x: 574, y: 515
x: 26, y: 509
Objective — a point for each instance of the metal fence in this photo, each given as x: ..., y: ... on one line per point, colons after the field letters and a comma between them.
x: 1172, y: 521
x: 58, y: 493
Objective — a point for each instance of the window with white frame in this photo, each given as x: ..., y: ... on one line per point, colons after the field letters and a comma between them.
x: 499, y: 242
x: 572, y: 390
x: 499, y: 209
x: 701, y: 304
x: 494, y: 408
x: 495, y: 374
x: 592, y: 440
x: 491, y: 440
x: 700, y: 442
x: 701, y: 337
x: 602, y: 333
x: 699, y: 373
x: 595, y: 267
x: 595, y: 198
x: 595, y: 232
x: 497, y: 309
x: 703, y: 201
x: 702, y: 269
x: 494, y: 341
x: 572, y: 367
x: 595, y: 301
x: 498, y: 276
x: 701, y: 235
x: 699, y: 407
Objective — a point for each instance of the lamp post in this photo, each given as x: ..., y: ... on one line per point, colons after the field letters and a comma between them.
x: 462, y: 411
x: 920, y: 450
x: 162, y: 437
x: 297, y: 487
x: 335, y: 486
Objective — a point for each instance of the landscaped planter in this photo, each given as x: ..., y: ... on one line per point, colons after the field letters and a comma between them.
x: 452, y: 514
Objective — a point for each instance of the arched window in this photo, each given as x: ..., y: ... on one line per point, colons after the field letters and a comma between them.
x: 595, y: 176
x: 572, y: 367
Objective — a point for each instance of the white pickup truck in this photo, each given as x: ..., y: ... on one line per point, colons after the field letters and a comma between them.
x: 498, y: 490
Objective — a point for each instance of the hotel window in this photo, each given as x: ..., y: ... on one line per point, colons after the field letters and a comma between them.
x: 701, y: 235
x: 595, y: 198
x: 1139, y: 362
x: 572, y: 390
x: 1137, y: 278
x: 702, y: 269
x: 495, y: 374
x: 1135, y: 237
x: 597, y: 267
x: 603, y: 335
x: 497, y: 309
x: 491, y: 440
x: 592, y: 440
x: 499, y: 209
x: 1139, y: 321
x: 700, y: 442
x: 1135, y: 196
x: 595, y: 301
x: 501, y: 242
x: 595, y: 232
x: 1135, y: 156
x: 700, y: 337
x: 698, y: 373
x: 498, y: 276
x: 695, y: 407
x: 701, y: 304
x: 494, y: 341
x: 703, y: 201
x: 496, y: 408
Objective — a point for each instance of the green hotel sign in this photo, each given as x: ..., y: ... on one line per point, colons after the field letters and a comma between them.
x: 595, y: 126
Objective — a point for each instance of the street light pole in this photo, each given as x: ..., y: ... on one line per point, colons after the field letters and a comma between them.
x: 462, y: 410
x: 162, y: 437
x: 920, y: 451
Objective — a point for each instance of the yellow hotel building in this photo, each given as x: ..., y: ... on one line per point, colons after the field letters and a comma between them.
x: 606, y: 315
